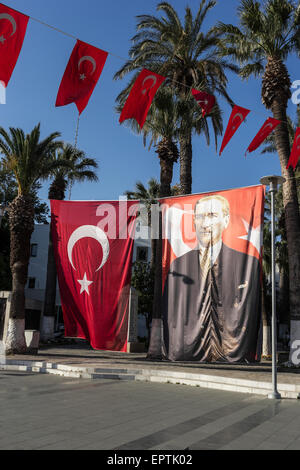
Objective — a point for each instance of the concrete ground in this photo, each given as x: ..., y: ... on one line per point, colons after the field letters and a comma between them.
x: 48, y: 412
x: 79, y: 360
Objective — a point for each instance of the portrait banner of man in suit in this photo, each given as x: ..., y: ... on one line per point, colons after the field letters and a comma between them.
x: 212, y: 248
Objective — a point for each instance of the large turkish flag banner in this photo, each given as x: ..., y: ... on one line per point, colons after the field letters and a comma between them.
x: 212, y: 248
x: 13, y: 25
x: 93, y: 244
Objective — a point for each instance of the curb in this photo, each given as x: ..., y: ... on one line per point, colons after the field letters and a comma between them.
x: 216, y: 382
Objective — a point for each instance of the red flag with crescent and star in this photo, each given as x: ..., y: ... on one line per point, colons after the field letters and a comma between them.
x: 295, y: 153
x: 263, y: 133
x: 141, y: 96
x: 13, y: 27
x: 205, y: 101
x: 237, y: 116
x: 93, y: 245
x: 81, y: 75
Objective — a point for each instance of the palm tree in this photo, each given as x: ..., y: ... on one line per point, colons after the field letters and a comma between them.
x: 266, y: 36
x: 29, y: 159
x: 161, y: 125
x: 148, y: 197
x: 185, y: 55
x: 74, y: 166
x: 281, y: 244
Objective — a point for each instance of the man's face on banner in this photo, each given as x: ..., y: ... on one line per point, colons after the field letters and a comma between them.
x: 210, y: 221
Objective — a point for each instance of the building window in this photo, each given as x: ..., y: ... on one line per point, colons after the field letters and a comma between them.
x: 33, y: 250
x: 31, y: 283
x: 142, y: 253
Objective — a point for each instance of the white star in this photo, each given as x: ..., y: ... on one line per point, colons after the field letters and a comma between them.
x: 254, y: 235
x: 85, y: 284
x: 2, y: 39
x: 82, y: 76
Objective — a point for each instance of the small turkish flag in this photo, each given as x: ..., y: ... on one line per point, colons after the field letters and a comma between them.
x: 81, y: 75
x: 295, y: 154
x: 238, y: 115
x: 266, y: 130
x: 13, y: 25
x: 141, y: 96
x: 205, y: 100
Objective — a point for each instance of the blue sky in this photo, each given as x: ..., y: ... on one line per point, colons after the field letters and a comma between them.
x: 121, y: 156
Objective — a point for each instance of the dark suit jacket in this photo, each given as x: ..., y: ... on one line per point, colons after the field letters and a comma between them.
x: 213, y: 320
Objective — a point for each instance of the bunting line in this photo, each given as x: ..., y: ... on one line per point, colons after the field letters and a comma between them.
x: 109, y: 52
x: 83, y: 97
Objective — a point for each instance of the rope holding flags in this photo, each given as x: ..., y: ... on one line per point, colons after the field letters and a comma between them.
x: 83, y: 71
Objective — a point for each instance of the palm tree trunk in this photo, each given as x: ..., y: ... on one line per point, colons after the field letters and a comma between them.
x: 186, y: 153
x: 50, y: 295
x: 266, y: 349
x: 292, y: 217
x: 155, y: 346
x: 57, y: 192
x: 166, y: 176
x: 153, y: 253
x: 283, y: 297
x: 21, y: 221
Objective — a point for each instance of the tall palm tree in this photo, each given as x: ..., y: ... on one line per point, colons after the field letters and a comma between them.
x: 29, y: 159
x: 161, y: 125
x: 185, y: 55
x: 267, y: 34
x: 281, y: 245
x: 73, y: 166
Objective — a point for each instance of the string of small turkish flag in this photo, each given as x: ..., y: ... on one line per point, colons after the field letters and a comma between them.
x: 84, y: 70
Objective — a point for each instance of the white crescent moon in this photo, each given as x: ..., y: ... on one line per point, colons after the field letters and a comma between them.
x: 150, y: 77
x: 89, y: 231
x: 90, y: 59
x: 6, y: 16
x: 239, y: 115
x: 267, y: 125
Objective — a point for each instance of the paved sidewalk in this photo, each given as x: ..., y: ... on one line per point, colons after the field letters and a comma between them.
x: 81, y: 361
x: 45, y: 412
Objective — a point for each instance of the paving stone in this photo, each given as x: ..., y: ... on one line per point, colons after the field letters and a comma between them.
x: 57, y: 412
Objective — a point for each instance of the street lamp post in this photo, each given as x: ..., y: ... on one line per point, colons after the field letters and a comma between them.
x: 273, y: 182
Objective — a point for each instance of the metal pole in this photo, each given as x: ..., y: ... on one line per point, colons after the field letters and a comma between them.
x: 273, y: 181
x: 275, y: 394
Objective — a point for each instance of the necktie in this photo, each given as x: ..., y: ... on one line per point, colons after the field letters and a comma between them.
x: 205, y: 262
